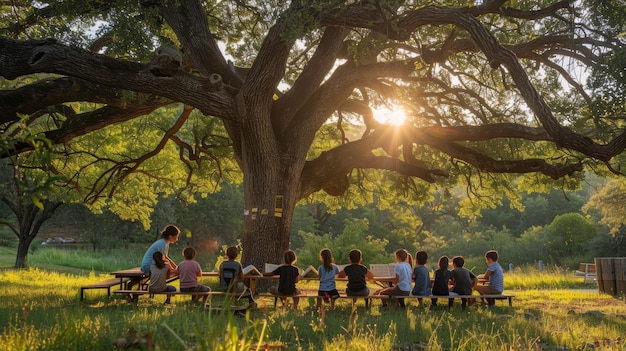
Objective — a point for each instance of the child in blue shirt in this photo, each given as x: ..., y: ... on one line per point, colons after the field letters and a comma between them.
x: 422, y: 276
x: 403, y: 273
x: 327, y: 271
x: 495, y: 274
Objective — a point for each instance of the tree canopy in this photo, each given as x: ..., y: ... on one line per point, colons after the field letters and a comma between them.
x: 288, y: 93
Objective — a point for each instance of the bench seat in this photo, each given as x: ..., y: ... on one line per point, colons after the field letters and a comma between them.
x: 104, y: 284
x: 587, y: 271
x: 508, y: 297
x: 315, y: 295
x: 134, y: 294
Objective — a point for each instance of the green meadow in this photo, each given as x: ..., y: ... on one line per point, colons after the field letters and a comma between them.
x: 41, y: 310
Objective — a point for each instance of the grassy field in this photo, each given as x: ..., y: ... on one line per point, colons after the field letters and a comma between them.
x: 40, y: 310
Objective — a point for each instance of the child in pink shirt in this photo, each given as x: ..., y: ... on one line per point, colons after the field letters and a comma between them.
x: 189, y: 270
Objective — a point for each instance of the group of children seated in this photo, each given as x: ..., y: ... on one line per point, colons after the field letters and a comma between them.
x: 456, y: 282
x: 188, y: 271
x: 159, y: 266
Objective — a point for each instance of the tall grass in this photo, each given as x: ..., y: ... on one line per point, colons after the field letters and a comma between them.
x: 530, y: 277
x: 102, y: 261
x: 98, y: 261
x: 40, y: 310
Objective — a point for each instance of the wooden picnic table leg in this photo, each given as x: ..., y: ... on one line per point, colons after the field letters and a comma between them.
x: 132, y: 281
x: 253, y: 286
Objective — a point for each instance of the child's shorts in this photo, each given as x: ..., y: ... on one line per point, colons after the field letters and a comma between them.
x: 332, y: 294
x: 363, y: 292
x: 199, y: 288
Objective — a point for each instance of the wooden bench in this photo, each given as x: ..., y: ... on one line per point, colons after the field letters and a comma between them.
x: 508, y: 297
x: 134, y: 294
x: 314, y: 295
x: 284, y: 297
x: 105, y: 284
x: 235, y: 295
x: 367, y: 298
x: 587, y: 271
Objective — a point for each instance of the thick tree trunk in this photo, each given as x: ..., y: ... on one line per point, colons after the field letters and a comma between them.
x: 271, y: 190
x: 26, y: 219
x: 270, y: 197
x: 26, y: 235
x: 21, y: 259
x: 31, y: 219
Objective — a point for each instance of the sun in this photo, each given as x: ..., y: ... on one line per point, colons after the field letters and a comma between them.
x: 392, y: 116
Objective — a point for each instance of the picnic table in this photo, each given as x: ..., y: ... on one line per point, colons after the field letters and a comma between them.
x: 134, y: 276
x: 131, y: 277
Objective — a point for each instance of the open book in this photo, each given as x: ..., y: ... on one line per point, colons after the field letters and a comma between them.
x: 251, y: 270
x: 270, y: 267
x: 342, y: 266
x: 383, y: 269
x: 310, y: 272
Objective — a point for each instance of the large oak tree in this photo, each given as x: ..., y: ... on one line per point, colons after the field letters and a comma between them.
x: 490, y: 89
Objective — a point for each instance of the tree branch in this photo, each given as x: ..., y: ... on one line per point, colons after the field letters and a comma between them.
x: 19, y: 25
x: 84, y: 123
x: 18, y: 58
x: 115, y: 175
x: 310, y: 78
x: 189, y: 21
x: 330, y: 169
x: 31, y: 98
x: 269, y: 66
x: 497, y: 55
x: 334, y: 92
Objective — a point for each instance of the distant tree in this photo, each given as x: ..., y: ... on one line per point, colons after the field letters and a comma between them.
x: 166, y: 211
x: 101, y: 231
x: 30, y: 197
x: 530, y: 247
x: 216, y: 217
x: 356, y: 235
x: 569, y: 234
x: 609, y: 245
x: 608, y: 205
x: 537, y: 209
x: 503, y: 215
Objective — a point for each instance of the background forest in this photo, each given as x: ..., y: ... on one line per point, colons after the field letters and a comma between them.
x: 558, y: 228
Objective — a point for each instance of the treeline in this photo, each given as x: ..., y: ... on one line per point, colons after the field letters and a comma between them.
x: 551, y: 227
